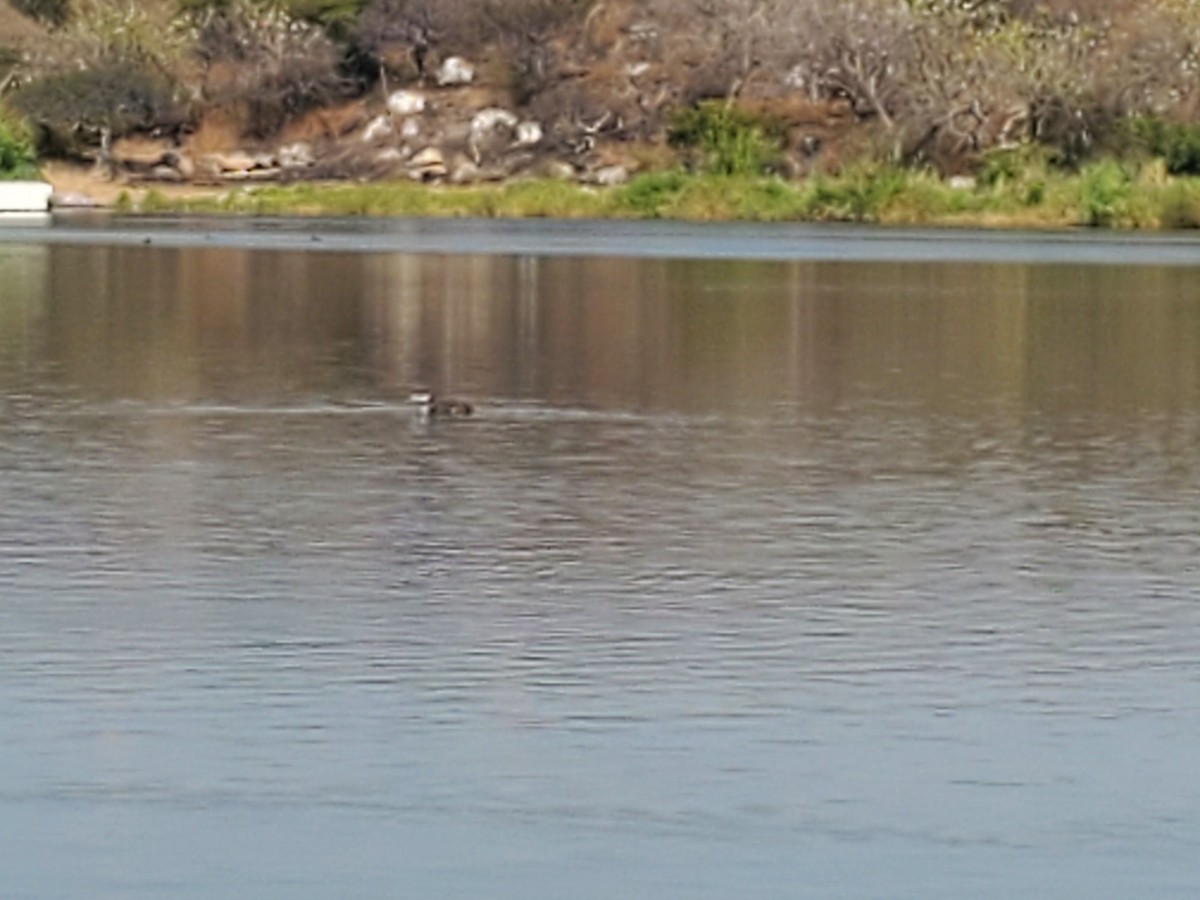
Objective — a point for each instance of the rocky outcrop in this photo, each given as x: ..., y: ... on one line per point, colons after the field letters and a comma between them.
x: 453, y: 126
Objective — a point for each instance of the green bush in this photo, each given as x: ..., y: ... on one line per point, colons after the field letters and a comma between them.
x: 16, y: 149
x: 118, y: 97
x: 650, y: 195
x: 730, y: 141
x: 1104, y: 194
x: 859, y: 194
x: 1180, y: 207
x: 1176, y: 143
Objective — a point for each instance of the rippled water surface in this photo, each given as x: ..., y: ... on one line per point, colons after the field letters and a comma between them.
x: 749, y: 579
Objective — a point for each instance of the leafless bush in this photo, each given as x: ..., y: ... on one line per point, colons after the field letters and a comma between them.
x: 862, y: 51
x: 517, y: 22
x: 1156, y: 49
x: 151, y: 35
x: 947, y: 80
x: 405, y: 36
x: 525, y: 31
x: 266, y: 64
x: 723, y: 45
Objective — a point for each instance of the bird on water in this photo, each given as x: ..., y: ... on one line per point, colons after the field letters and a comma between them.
x: 440, y: 407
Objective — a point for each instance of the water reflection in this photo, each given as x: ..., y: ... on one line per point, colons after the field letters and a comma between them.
x: 1020, y: 341
x: 788, y: 579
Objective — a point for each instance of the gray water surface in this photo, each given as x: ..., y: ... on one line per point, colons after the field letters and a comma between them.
x: 750, y: 579
x: 777, y: 242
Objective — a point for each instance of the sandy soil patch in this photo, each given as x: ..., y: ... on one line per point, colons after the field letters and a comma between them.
x: 82, y: 180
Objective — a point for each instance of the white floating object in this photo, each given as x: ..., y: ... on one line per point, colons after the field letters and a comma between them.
x: 25, y: 196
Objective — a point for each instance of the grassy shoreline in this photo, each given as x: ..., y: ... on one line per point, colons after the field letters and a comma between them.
x: 1106, y: 194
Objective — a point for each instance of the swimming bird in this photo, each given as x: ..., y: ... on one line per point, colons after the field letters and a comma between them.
x: 432, y: 406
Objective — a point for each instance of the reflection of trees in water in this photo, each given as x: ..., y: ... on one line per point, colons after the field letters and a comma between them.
x: 962, y: 339
x: 23, y: 274
x: 166, y: 324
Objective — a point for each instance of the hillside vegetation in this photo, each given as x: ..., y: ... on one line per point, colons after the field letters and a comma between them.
x: 596, y: 90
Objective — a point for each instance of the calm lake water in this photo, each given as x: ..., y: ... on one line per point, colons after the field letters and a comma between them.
x: 778, y: 579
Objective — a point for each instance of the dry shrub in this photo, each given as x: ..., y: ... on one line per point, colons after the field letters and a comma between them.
x: 525, y: 32
x: 406, y: 37
x: 945, y: 81
x: 266, y: 64
x: 151, y: 35
x: 722, y: 46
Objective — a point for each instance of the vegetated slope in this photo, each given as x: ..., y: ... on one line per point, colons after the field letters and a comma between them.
x: 594, y: 89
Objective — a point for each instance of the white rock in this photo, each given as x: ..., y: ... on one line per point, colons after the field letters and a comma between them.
x: 405, y: 103
x: 237, y: 161
x: 409, y: 129
x: 455, y: 70
x: 961, y: 183
x: 296, y: 156
x: 465, y: 172
x: 166, y: 173
x: 643, y: 31
x: 529, y: 133
x: 795, y: 78
x: 558, y: 170
x: 488, y: 120
x: 182, y: 163
x: 73, y: 200
x: 610, y: 176
x: 429, y: 163
x: 378, y: 127
x: 635, y: 70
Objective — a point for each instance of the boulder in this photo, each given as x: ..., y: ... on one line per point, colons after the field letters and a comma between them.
x: 556, y: 169
x: 528, y: 133
x: 166, y: 173
x: 491, y: 133
x: 492, y: 119
x: 464, y: 172
x: 236, y: 162
x: 405, y: 103
x: 183, y: 164
x: 73, y: 200
x: 378, y: 127
x: 296, y: 156
x: 455, y: 71
x: 608, y: 176
x: 428, y: 164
